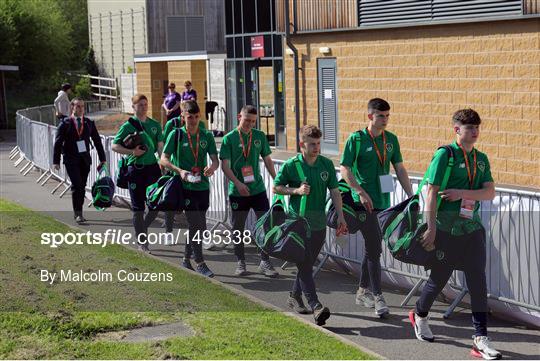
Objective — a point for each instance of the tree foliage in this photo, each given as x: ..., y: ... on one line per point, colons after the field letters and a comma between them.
x: 90, y: 64
x: 83, y: 89
x: 38, y: 37
x: 46, y: 39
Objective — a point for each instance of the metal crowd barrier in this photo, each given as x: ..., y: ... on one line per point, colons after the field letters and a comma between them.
x: 512, y: 222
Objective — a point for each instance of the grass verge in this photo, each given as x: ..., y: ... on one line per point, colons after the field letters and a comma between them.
x: 38, y: 320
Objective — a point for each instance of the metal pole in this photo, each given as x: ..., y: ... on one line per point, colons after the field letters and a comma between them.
x: 454, y: 304
x: 101, y: 36
x: 411, y: 293
x: 112, y: 41
x: 90, y: 30
x: 145, y: 40
x: 132, y: 34
x: 122, y: 38
x: 296, y: 75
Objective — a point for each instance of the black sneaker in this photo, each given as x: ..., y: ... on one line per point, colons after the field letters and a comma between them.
x: 321, y: 314
x: 143, y: 248
x: 297, y: 304
x: 186, y: 263
x: 80, y: 220
x: 204, y: 270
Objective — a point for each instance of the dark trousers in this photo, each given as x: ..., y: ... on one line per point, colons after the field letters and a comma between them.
x: 240, y: 209
x: 467, y: 253
x: 304, y: 282
x: 141, y: 177
x: 78, y: 174
x: 197, y: 203
x: 370, y: 273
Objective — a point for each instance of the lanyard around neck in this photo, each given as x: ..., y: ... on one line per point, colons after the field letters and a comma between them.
x: 244, y: 151
x: 469, y: 176
x: 382, y: 159
x: 196, y: 151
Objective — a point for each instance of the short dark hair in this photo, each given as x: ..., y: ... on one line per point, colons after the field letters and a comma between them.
x: 137, y: 98
x: 248, y: 109
x: 466, y: 116
x: 191, y: 107
x: 311, y: 131
x: 66, y: 87
x: 378, y: 104
x: 187, y: 83
x: 172, y: 85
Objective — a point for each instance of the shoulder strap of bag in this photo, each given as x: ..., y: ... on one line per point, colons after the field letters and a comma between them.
x: 103, y: 171
x: 136, y: 124
x: 448, y: 170
x: 177, y: 140
x: 392, y: 226
x: 357, y: 147
x: 303, y: 200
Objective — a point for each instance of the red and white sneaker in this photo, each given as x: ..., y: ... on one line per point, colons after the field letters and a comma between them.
x: 421, y: 327
x: 482, y: 349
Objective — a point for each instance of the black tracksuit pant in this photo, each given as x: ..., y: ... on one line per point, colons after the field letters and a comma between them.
x: 78, y: 174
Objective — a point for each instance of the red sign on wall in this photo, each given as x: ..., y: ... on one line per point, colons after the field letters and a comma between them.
x: 257, y: 46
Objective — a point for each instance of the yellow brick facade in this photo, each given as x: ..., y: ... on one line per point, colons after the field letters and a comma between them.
x: 152, y: 75
x: 426, y: 73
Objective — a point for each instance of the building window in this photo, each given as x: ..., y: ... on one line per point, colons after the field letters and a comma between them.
x: 229, y: 26
x: 249, y: 16
x: 237, y: 11
x: 264, y: 18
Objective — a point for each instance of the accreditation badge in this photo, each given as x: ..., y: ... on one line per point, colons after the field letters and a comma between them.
x: 248, y: 174
x: 81, y: 146
x: 467, y: 208
x: 195, y: 175
x: 387, y: 183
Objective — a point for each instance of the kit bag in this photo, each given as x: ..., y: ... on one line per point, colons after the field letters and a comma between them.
x: 280, y: 232
x: 103, y: 189
x: 402, y: 227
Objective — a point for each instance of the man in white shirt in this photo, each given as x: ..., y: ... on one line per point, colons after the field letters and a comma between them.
x: 61, y: 103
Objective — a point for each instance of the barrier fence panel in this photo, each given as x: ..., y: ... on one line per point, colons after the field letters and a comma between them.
x: 114, y: 158
x: 511, y: 220
x: 40, y: 143
x: 218, y: 212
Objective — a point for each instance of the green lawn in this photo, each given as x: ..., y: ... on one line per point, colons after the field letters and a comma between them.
x: 38, y: 320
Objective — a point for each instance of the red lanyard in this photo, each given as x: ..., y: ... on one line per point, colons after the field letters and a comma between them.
x: 383, y: 158
x: 471, y: 179
x: 196, y: 152
x: 246, y: 154
x: 81, y: 129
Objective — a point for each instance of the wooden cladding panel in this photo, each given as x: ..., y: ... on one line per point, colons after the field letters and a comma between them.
x: 531, y: 7
x: 318, y: 14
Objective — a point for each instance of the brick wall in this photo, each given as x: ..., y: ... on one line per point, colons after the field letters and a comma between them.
x: 266, y: 97
x: 144, y: 80
x: 159, y: 76
x: 193, y: 70
x: 152, y: 75
x: 426, y: 73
